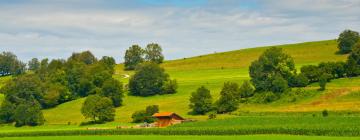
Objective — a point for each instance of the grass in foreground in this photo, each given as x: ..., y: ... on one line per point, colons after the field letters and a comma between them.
x: 155, y: 137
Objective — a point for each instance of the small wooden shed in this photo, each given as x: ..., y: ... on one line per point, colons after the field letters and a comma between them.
x: 165, y: 119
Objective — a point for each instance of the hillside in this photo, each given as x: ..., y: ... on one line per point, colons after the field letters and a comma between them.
x: 212, y: 71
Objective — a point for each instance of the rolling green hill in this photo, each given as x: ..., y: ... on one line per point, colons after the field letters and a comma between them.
x: 212, y: 71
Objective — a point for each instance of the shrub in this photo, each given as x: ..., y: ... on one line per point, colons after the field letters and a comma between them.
x: 325, y: 113
x: 169, y: 87
x: 145, y: 115
x: 201, y: 101
x: 212, y: 115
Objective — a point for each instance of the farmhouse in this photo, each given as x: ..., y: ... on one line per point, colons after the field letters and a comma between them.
x: 165, y: 119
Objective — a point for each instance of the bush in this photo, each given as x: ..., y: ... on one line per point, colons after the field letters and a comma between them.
x: 264, y: 97
x: 201, y: 101
x: 212, y: 115
x: 325, y: 113
x: 169, y: 87
x: 145, y: 115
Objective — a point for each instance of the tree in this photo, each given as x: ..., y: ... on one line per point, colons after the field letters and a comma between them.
x: 228, y: 100
x: 322, y: 81
x: 7, y: 111
x: 34, y: 64
x: 153, y: 53
x: 169, y: 87
x: 109, y: 63
x: 201, y: 101
x: 347, y: 39
x: 246, y: 90
x: 353, y: 62
x: 133, y: 57
x: 28, y: 113
x: 113, y: 89
x: 85, y: 57
x: 152, y: 109
x: 98, y: 109
x: 148, y: 80
x: 271, y: 63
x: 10, y: 65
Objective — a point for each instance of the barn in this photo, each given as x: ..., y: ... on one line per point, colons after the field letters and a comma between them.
x: 165, y: 119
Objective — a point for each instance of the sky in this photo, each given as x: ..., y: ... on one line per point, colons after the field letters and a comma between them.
x: 184, y: 28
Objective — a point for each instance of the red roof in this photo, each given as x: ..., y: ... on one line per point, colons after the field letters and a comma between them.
x: 166, y: 114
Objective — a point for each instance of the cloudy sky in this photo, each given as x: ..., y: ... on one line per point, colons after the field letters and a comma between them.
x: 184, y: 28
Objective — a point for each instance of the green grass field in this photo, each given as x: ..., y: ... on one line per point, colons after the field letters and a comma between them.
x: 212, y: 71
x: 154, y: 137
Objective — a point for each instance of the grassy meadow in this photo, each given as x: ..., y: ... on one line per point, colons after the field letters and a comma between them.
x: 212, y: 71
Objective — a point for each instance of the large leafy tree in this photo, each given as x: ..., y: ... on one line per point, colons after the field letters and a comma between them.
x: 10, y: 65
x: 148, y: 79
x: 113, y: 89
x: 98, y: 109
x: 153, y: 53
x: 271, y: 63
x: 133, y: 57
x: 353, y: 62
x: 201, y: 101
x: 228, y: 100
x: 347, y: 39
x: 28, y: 113
x: 86, y: 57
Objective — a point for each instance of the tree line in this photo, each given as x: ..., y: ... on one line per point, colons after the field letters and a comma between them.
x: 274, y: 73
x: 58, y: 81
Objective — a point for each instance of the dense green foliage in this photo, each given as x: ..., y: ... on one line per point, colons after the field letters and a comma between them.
x: 28, y: 113
x: 145, y: 115
x: 98, y: 109
x: 246, y: 90
x: 58, y: 81
x: 201, y: 101
x: 10, y: 65
x: 347, y: 39
x: 228, y: 100
x: 149, y: 79
x: 271, y: 69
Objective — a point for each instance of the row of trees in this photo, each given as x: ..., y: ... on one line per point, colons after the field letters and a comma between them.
x: 58, y: 81
x: 10, y: 65
x: 201, y: 101
x: 136, y: 55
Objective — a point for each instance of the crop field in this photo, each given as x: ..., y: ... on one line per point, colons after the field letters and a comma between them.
x: 155, y: 137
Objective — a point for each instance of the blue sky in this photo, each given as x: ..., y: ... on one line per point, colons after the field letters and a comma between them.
x: 184, y: 28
